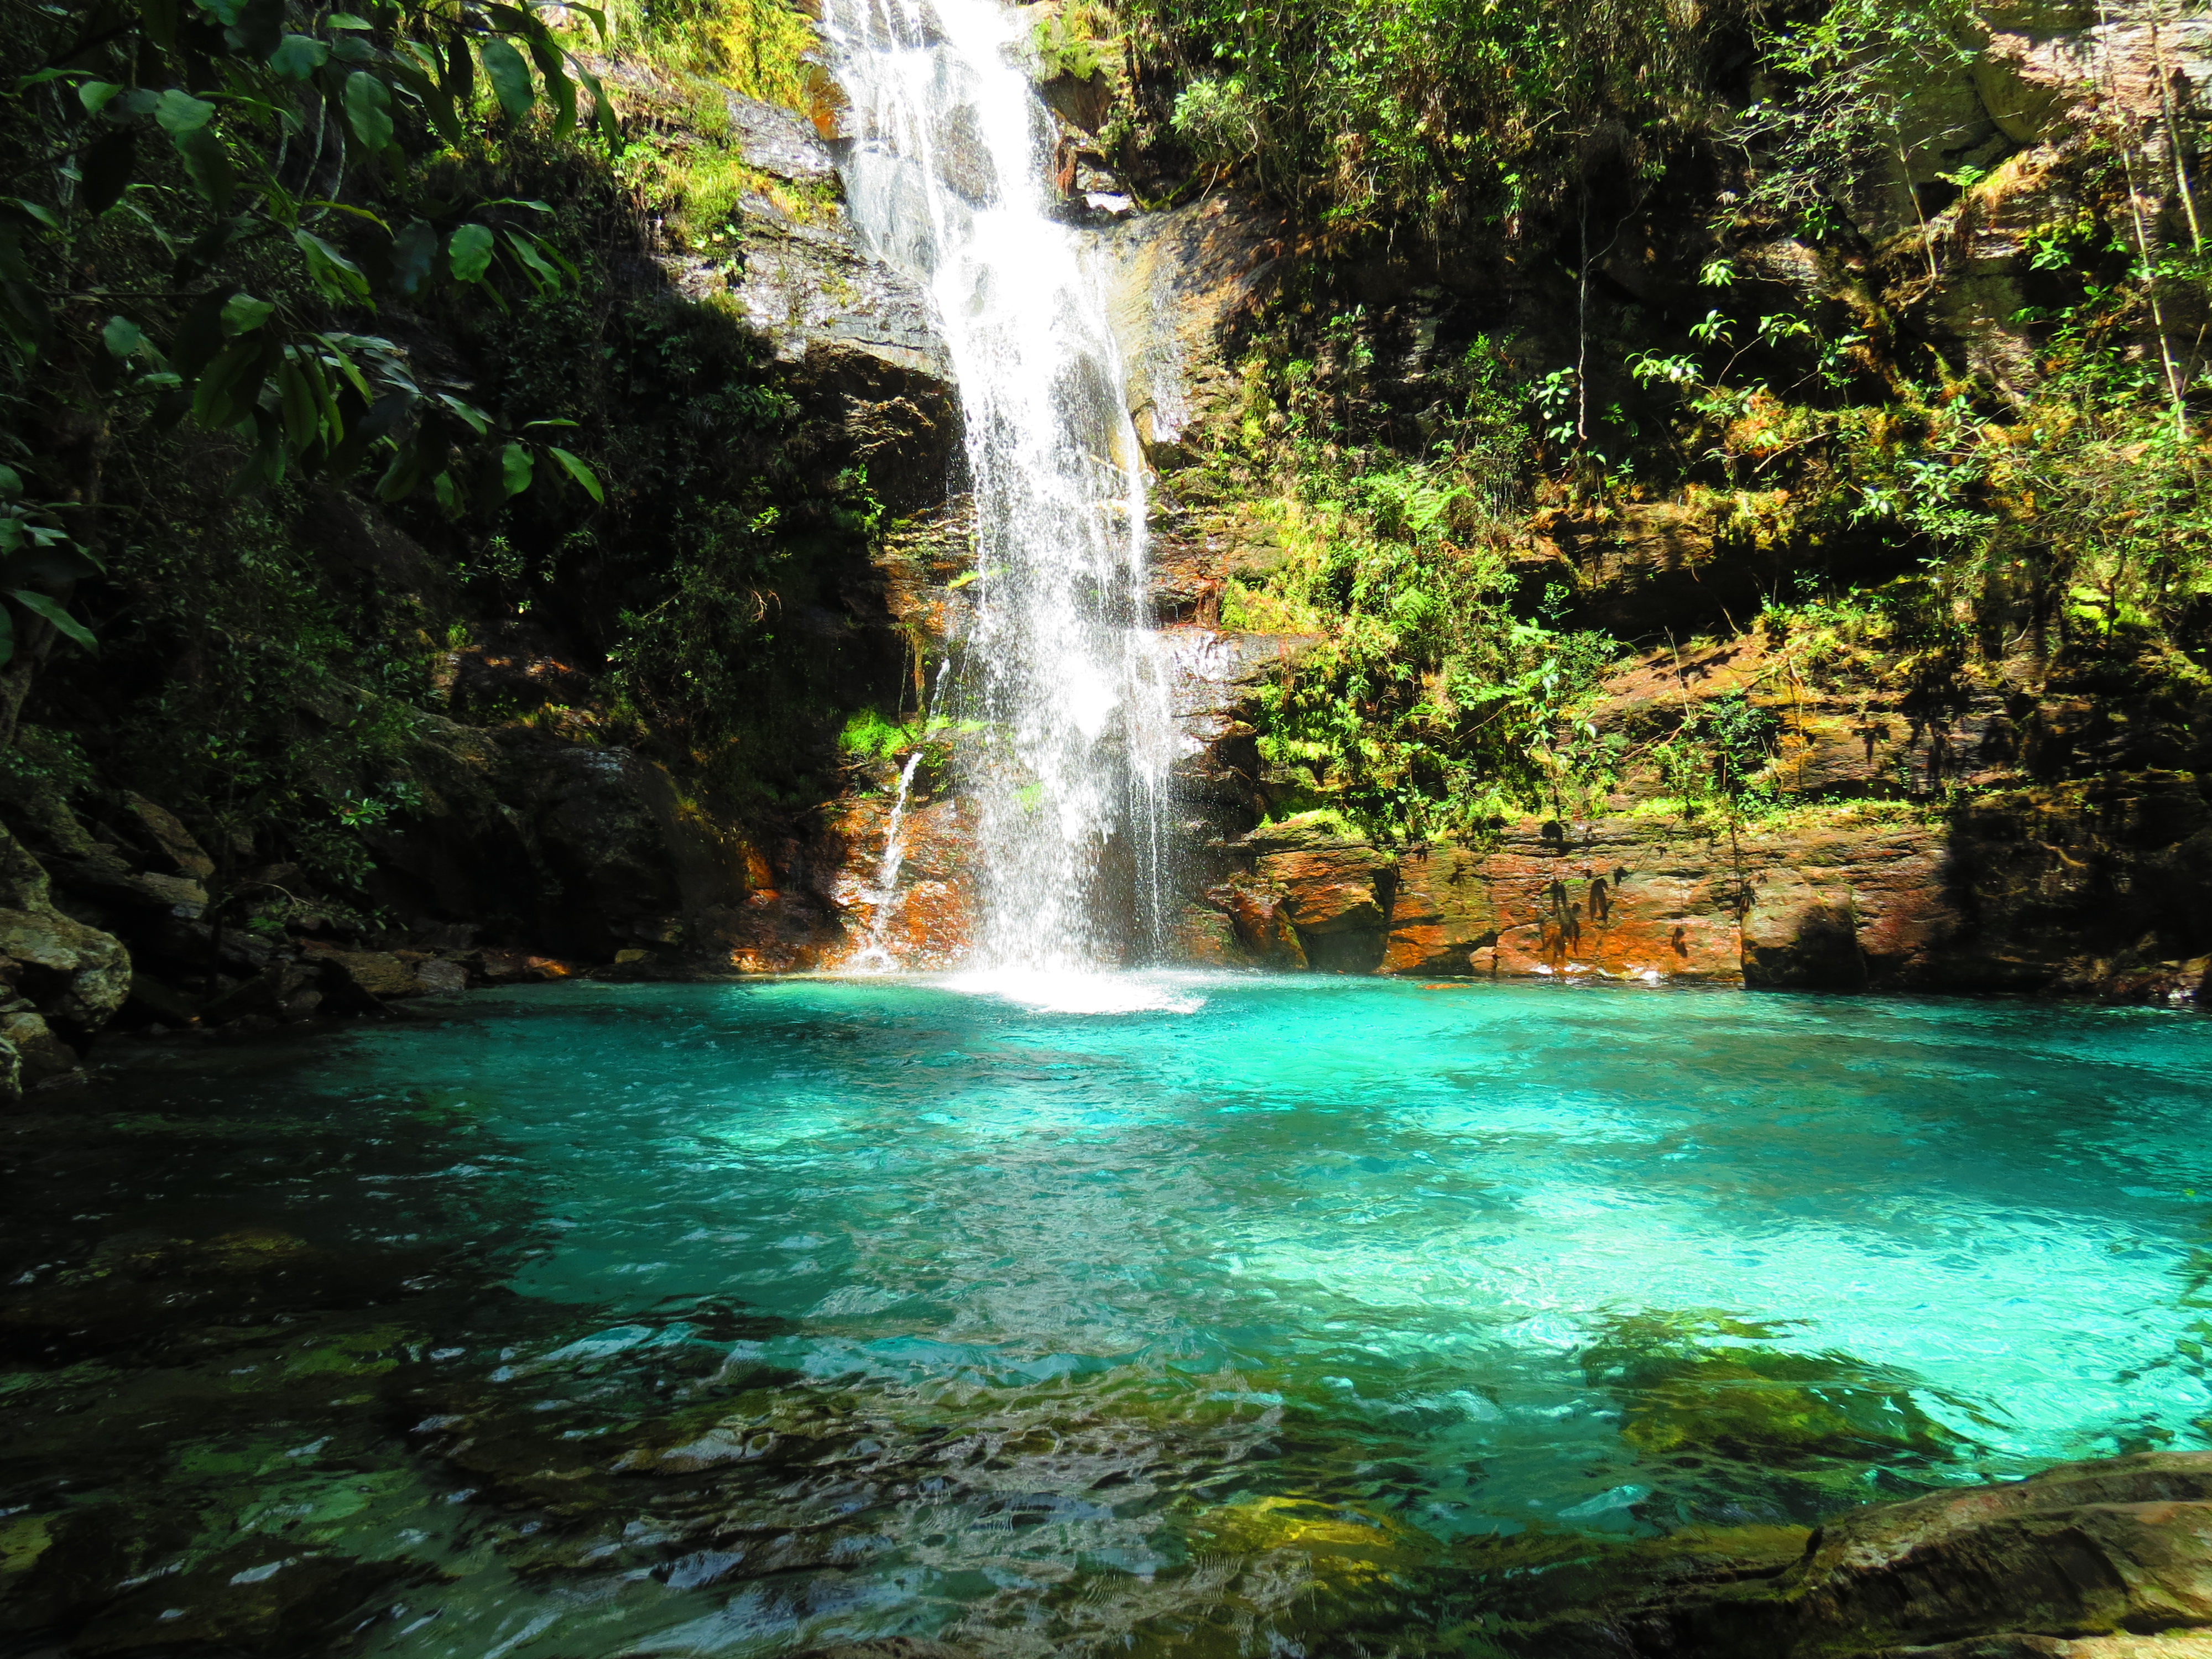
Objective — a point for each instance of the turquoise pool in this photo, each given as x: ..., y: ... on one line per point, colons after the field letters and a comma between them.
x: 1161, y: 1314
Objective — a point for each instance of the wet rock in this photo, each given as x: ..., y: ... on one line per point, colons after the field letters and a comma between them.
x: 42, y: 1054
x: 368, y: 979
x: 1441, y: 912
x: 107, y: 878
x: 2098, y: 1554
x: 1336, y: 892
x: 778, y: 141
x: 167, y: 832
x: 283, y: 990
x: 75, y: 975
x: 1175, y: 281
x: 440, y: 977
x: 864, y: 354
x: 1209, y: 939
x: 1260, y: 919
x: 1713, y: 1386
x: 156, y: 1000
x: 583, y: 851
x: 55, y: 1564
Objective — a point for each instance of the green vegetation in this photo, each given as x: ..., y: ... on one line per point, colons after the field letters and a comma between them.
x: 1427, y: 114
x: 323, y: 365
x: 1735, y: 237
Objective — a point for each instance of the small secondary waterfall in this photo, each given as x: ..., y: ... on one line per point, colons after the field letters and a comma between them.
x: 1061, y: 673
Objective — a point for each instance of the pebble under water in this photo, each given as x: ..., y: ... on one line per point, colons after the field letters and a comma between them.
x: 1214, y: 1314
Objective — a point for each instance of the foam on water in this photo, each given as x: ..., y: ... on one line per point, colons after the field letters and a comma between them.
x: 1072, y: 991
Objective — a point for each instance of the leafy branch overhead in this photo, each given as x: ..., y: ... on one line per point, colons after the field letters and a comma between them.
x: 252, y: 140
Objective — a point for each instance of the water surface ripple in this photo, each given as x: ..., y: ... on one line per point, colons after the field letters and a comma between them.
x: 1277, y: 1314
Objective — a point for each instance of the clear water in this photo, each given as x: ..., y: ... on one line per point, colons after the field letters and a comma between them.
x: 1203, y: 1315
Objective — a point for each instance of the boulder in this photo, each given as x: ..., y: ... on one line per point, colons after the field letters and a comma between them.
x: 2099, y: 1560
x: 73, y: 974
x: 440, y: 977
x: 369, y: 978
x: 174, y: 842
x: 1262, y: 926
x: 41, y: 1053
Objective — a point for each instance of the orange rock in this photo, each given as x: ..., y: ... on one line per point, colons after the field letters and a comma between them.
x: 1262, y: 926
x: 1334, y: 887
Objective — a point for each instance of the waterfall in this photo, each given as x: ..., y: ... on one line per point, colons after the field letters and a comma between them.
x: 1061, y: 682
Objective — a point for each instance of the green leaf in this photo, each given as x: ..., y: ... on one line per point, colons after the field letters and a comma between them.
x: 17, y: 208
x: 231, y: 383
x: 94, y: 95
x: 199, y: 333
x: 527, y: 249
x: 475, y: 418
x: 470, y: 252
x: 299, y: 56
x: 346, y: 20
x: 122, y: 335
x: 265, y: 465
x: 207, y: 164
x: 459, y: 79
x: 408, y: 468
x: 180, y: 113
x: 560, y: 90
x: 242, y: 314
x: 68, y: 626
x: 7, y: 637
x: 103, y: 169
x: 576, y: 469
x: 302, y: 411
x: 22, y: 307
x: 414, y: 257
x: 602, y: 108
x: 335, y: 274
x: 443, y: 115
x: 515, y: 467
x: 509, y: 76
x: 11, y: 483
x: 597, y: 17
x: 158, y: 18
x: 368, y: 109
x: 258, y: 28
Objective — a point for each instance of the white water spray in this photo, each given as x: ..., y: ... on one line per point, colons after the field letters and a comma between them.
x: 944, y: 173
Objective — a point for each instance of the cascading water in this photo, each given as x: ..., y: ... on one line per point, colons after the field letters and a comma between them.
x: 876, y: 957
x: 944, y: 171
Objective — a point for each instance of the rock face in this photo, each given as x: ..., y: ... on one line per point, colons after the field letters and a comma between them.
x: 2102, y: 1560
x: 1177, y: 281
x: 2078, y: 890
x: 857, y: 337
x: 929, y: 922
x: 60, y: 978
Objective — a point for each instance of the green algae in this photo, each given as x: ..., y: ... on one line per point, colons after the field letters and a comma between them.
x: 1710, y: 1381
